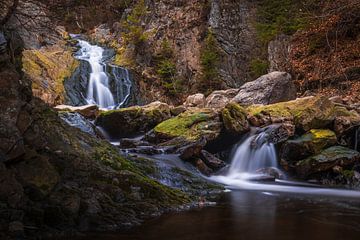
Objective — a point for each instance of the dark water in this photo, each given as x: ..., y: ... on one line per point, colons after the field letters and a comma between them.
x: 256, y: 215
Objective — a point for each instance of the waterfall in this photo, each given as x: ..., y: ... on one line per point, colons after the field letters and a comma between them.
x: 107, y: 90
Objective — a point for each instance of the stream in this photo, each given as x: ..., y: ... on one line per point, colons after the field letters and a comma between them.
x: 260, y: 201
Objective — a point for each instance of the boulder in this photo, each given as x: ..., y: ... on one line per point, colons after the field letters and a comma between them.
x: 306, y: 113
x: 219, y: 99
x: 196, y: 100
x: 234, y: 118
x: 278, y: 133
x: 88, y: 111
x: 308, y: 144
x: 270, y: 88
x: 211, y: 161
x: 127, y: 122
x: 327, y: 160
x: 191, y: 125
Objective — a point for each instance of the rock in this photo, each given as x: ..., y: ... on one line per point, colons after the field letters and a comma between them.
x: 308, y: 144
x: 345, y: 120
x: 48, y: 68
x: 202, y: 167
x: 196, y: 100
x: 272, y: 172
x: 88, y: 111
x: 306, y: 113
x: 278, y: 52
x: 191, y: 125
x: 279, y: 133
x: 211, y: 161
x: 177, y: 110
x: 326, y: 160
x: 74, y: 119
x: 268, y: 89
x: 192, y: 150
x: 219, y: 99
x: 128, y: 122
x: 234, y: 118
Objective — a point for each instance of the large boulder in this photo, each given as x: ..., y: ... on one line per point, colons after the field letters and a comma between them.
x: 219, y: 99
x: 234, y: 118
x: 270, y: 88
x: 329, y: 158
x: 128, y: 122
x: 308, y: 144
x: 196, y: 100
x: 306, y: 113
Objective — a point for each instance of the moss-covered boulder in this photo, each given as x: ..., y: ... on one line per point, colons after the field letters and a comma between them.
x: 306, y: 113
x: 47, y: 68
x: 336, y: 156
x: 128, y: 122
x: 308, y: 144
x: 234, y: 118
x: 191, y: 125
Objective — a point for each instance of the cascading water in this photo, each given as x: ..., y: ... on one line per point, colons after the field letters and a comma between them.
x: 98, y: 87
x: 255, y: 153
x: 255, y: 159
x: 109, y: 90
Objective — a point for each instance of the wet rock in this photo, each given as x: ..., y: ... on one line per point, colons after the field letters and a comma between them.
x: 272, y: 172
x: 196, y: 100
x: 279, y: 133
x: 308, y: 144
x: 74, y: 119
x: 219, y: 99
x: 88, y: 111
x: 211, y: 161
x: 326, y: 160
x: 127, y: 122
x: 202, y: 167
x: 345, y: 120
x: 234, y: 118
x: 192, y: 150
x: 132, y: 143
x: 268, y: 89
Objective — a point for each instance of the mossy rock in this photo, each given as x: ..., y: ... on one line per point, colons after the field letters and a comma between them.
x: 306, y: 113
x: 327, y: 160
x: 127, y: 122
x: 308, y: 144
x: 47, y: 68
x: 191, y: 125
x: 234, y: 118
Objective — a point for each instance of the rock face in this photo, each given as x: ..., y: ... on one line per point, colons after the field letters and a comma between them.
x: 127, y: 122
x: 308, y: 144
x: 88, y: 111
x: 327, y: 160
x: 271, y: 88
x: 48, y: 68
x: 278, y: 52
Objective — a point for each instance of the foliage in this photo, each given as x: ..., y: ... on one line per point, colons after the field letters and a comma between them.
x: 258, y: 67
x: 166, y: 69
x: 134, y: 31
x: 209, y: 59
x: 279, y: 16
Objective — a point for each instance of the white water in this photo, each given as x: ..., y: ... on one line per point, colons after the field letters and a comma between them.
x: 257, y: 153
x: 98, y: 91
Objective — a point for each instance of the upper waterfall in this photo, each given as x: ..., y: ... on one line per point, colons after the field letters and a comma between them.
x: 108, y: 86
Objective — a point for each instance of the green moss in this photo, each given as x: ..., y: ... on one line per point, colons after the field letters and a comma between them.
x: 235, y: 118
x: 188, y: 125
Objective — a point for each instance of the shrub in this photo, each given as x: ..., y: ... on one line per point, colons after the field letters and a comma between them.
x: 258, y: 67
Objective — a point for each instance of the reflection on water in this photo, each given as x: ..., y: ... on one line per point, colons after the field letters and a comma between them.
x: 257, y: 215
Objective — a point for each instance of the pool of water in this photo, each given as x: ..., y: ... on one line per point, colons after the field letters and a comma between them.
x: 244, y: 214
